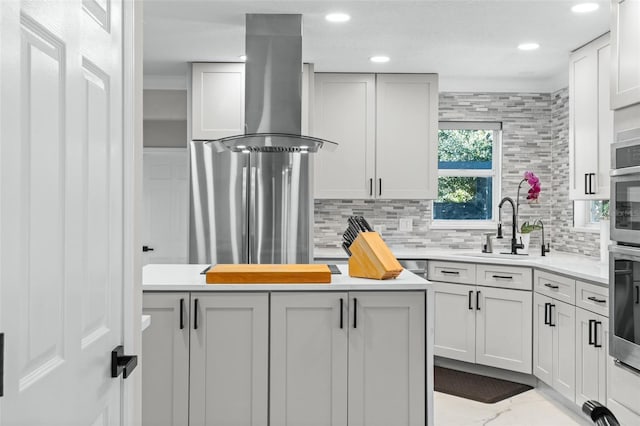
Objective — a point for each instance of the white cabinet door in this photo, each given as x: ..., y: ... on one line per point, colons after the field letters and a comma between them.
x: 165, y: 355
x: 503, y: 328
x: 542, y: 339
x: 564, y: 332
x: 387, y: 358
x: 166, y: 205
x: 345, y: 107
x: 625, y: 42
x: 406, y: 136
x: 455, y: 321
x: 308, y: 370
x: 217, y: 100
x: 592, y: 333
x: 590, y: 121
x: 229, y: 359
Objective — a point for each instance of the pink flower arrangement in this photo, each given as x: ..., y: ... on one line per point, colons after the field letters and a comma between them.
x: 534, y: 182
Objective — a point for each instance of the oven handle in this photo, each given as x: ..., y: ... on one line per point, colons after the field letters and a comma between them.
x: 632, y: 252
x: 625, y: 171
x: 626, y: 367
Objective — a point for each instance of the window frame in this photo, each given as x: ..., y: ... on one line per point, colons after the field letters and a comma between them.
x: 582, y: 217
x: 495, y: 173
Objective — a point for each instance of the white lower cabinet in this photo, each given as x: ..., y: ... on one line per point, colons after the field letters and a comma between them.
x: 165, y: 353
x: 483, y: 325
x: 554, y: 344
x: 592, y: 337
x: 355, y: 358
x: 205, y: 359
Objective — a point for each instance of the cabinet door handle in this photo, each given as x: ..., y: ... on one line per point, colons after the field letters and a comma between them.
x: 595, y: 334
x: 504, y: 277
x: 478, y: 300
x: 341, y: 312
x: 595, y: 299
x: 470, y: 305
x: 195, y: 314
x: 586, y: 184
x: 637, y: 294
x: 555, y: 287
x: 591, y: 191
x: 181, y: 314
x: 591, y: 327
x: 370, y: 187
x: 355, y: 313
x: 450, y: 272
x: 379, y: 186
x: 551, y: 315
x: 547, y: 321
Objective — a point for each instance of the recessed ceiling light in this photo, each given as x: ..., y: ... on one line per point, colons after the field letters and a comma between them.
x: 379, y: 59
x: 243, y: 58
x: 585, y: 7
x: 528, y: 46
x: 337, y: 17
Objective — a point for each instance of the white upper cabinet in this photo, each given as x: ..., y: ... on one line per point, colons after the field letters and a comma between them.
x: 625, y: 43
x: 386, y: 127
x: 217, y: 100
x: 345, y: 111
x: 590, y: 121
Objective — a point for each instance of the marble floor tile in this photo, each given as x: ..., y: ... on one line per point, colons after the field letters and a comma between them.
x: 531, y: 408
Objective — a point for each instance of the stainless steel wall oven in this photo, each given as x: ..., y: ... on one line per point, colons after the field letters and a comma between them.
x: 624, y: 258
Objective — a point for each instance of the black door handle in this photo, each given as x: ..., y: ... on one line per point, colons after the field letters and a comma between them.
x: 478, y: 300
x: 1, y: 364
x: 586, y: 178
x: 591, y: 327
x: 591, y: 191
x: 470, y: 305
x: 551, y: 315
x: 595, y: 334
x: 380, y: 186
x: 181, y: 314
x: 195, y: 314
x: 637, y: 295
x: 547, y: 313
x: 370, y: 187
x: 121, y: 363
x: 341, y: 313
x: 147, y: 248
x: 355, y: 312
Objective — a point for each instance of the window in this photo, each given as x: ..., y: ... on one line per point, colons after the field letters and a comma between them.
x: 587, y: 214
x: 468, y: 174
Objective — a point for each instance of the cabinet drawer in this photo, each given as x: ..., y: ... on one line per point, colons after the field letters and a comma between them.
x: 593, y: 298
x: 622, y: 387
x: 452, y: 272
x: 504, y: 276
x: 556, y: 286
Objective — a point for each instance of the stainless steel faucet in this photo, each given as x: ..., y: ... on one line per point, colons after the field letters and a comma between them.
x: 515, y: 245
x: 547, y: 248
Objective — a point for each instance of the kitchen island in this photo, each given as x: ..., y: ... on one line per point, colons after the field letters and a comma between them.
x: 355, y: 351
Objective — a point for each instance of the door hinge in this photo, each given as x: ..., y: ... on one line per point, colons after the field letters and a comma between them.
x: 1, y: 364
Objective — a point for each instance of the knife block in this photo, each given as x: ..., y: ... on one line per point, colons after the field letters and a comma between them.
x: 371, y: 258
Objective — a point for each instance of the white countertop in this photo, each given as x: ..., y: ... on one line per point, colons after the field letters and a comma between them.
x: 580, y: 267
x: 174, y: 277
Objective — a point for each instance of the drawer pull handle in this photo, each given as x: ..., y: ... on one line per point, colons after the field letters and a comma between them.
x: 451, y: 272
x: 505, y: 277
x: 555, y: 287
x: 595, y: 299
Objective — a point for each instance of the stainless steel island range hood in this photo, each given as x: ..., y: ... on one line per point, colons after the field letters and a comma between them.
x: 251, y: 194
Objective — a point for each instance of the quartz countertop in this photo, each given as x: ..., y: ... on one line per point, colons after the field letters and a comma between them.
x: 174, y: 277
x: 579, y: 267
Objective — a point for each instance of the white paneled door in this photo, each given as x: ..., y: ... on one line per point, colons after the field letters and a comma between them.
x: 61, y: 217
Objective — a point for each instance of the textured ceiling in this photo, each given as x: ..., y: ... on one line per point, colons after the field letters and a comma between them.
x: 470, y: 43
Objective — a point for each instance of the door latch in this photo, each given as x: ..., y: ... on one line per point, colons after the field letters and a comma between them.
x: 121, y: 363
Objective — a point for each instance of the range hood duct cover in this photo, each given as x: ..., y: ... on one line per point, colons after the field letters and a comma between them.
x: 273, y: 88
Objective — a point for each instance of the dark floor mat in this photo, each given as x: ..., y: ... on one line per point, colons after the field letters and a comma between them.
x: 472, y: 386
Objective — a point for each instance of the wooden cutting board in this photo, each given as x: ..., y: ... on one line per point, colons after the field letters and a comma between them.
x: 269, y: 274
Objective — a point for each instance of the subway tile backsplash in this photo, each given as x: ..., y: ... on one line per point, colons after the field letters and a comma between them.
x: 534, y: 137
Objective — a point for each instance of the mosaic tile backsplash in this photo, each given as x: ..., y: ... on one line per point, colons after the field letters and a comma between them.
x: 534, y: 137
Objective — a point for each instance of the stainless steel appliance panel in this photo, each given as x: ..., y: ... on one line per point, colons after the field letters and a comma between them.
x: 625, y: 205
x: 624, y: 311
x: 281, y: 211
x: 219, y: 217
